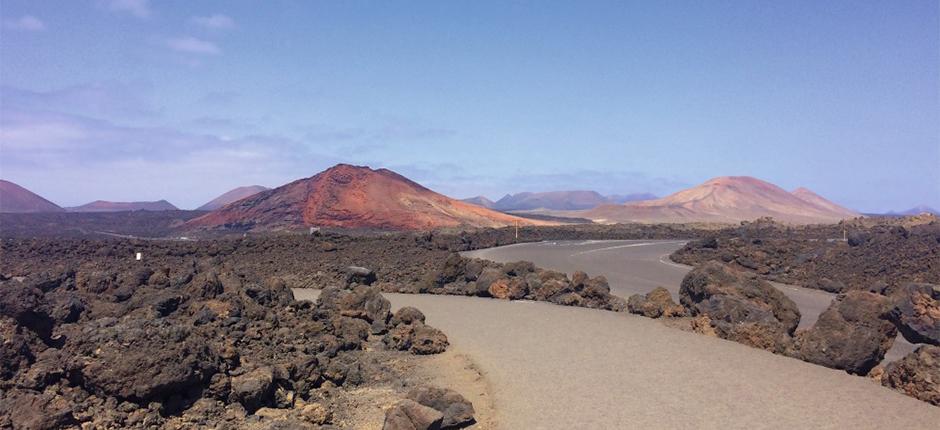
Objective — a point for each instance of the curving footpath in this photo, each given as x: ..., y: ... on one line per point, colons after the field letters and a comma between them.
x: 554, y: 367
x: 631, y: 267
x: 638, y: 266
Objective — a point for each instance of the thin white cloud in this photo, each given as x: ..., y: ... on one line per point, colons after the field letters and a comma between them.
x: 25, y: 23
x: 214, y: 22
x: 138, y: 8
x: 192, y: 45
x: 104, y: 158
x: 107, y: 99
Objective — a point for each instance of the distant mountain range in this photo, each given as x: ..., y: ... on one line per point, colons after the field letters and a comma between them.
x: 554, y: 200
x: 16, y: 199
x: 635, y: 197
x: 232, y: 196
x: 917, y: 210
x: 480, y: 201
x: 727, y: 199
x: 348, y: 196
x: 353, y: 197
x: 106, y: 206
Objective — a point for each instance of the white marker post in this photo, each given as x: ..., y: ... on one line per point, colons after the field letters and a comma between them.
x: 140, y: 256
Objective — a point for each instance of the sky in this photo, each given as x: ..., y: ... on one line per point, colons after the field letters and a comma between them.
x: 183, y: 100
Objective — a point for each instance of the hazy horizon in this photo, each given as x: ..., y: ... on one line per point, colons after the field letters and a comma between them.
x: 133, y: 100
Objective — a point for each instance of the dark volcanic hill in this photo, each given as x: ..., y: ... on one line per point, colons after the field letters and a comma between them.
x: 106, y: 206
x: 16, y: 199
x: 232, y: 196
x: 479, y: 201
x: 727, y: 199
x: 555, y: 200
x: 353, y: 197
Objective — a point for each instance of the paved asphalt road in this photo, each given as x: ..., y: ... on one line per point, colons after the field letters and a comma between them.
x: 638, y: 266
x: 558, y: 367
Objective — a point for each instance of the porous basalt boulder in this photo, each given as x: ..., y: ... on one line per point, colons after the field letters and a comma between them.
x: 26, y: 305
x: 205, y: 285
x: 29, y: 409
x: 853, y: 334
x: 508, y: 289
x: 654, y: 304
x: 740, y: 306
x: 828, y: 285
x: 488, y: 276
x: 702, y: 324
x: 409, y: 333
x: 360, y: 275
x: 916, y: 312
x: 141, y: 360
x: 457, y: 410
x: 411, y: 415
x: 917, y: 374
x: 363, y: 302
x: 254, y: 389
x: 407, y: 315
x: 417, y: 337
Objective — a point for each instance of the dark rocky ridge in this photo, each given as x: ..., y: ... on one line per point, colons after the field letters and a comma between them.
x: 116, y: 343
x: 512, y: 281
x: 888, y: 253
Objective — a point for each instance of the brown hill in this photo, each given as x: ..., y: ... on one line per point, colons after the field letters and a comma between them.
x: 479, y: 201
x: 353, y: 197
x: 106, y: 206
x: 726, y: 199
x: 16, y: 199
x: 820, y: 202
x: 231, y: 196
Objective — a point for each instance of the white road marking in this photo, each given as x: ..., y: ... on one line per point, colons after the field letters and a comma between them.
x: 662, y: 259
x: 631, y: 245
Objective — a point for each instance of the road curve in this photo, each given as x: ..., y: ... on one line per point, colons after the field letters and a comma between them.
x: 553, y: 367
x: 638, y: 266
x: 631, y: 267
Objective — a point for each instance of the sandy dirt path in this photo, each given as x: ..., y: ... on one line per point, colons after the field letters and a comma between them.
x: 554, y: 367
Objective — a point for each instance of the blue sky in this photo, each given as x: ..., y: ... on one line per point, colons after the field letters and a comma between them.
x: 183, y: 100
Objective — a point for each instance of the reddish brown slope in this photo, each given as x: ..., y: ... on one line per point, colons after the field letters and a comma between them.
x: 16, y: 199
x: 723, y: 199
x: 354, y: 197
x: 817, y: 200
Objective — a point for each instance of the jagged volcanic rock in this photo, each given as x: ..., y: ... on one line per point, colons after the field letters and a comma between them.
x: 741, y: 306
x: 917, y: 374
x: 853, y: 334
